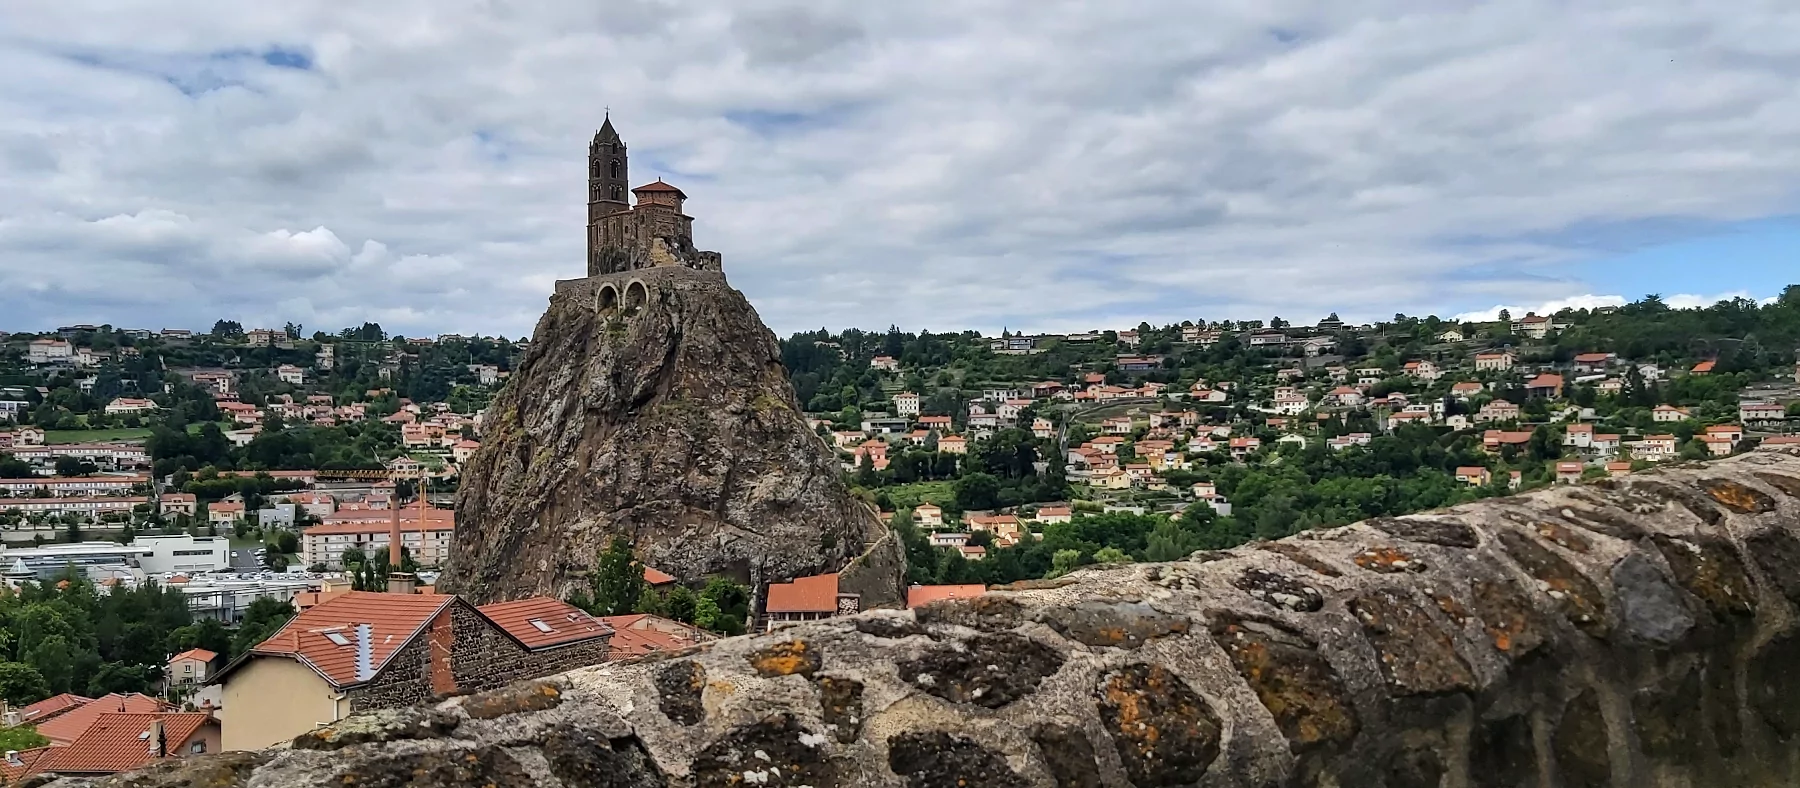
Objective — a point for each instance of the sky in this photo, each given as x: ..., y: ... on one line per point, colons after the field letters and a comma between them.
x: 1035, y: 165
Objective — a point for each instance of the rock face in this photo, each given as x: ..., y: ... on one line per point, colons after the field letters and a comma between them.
x: 653, y: 404
x: 1638, y: 632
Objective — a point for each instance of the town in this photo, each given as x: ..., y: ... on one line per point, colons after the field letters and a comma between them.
x: 179, y: 505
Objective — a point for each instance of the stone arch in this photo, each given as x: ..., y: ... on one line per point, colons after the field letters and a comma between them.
x: 606, y: 299
x: 636, y: 295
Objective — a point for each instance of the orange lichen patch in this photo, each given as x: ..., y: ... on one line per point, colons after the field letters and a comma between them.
x: 785, y: 659
x: 1451, y: 608
x: 1165, y: 733
x: 1388, y: 560
x: 515, y: 699
x: 1292, y: 679
x: 1562, y: 537
x: 1738, y: 497
x: 1510, y: 622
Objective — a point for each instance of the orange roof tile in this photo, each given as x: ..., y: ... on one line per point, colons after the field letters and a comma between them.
x: 659, y: 186
x: 50, y: 707
x: 541, y: 621
x: 394, y: 620
x: 68, y: 726
x: 816, y: 594
x: 198, y: 654
x: 657, y: 577
x: 641, y: 633
x: 11, y: 773
x: 117, y: 743
x: 920, y: 595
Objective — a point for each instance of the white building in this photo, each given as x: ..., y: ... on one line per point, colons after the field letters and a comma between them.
x: 291, y: 375
x: 151, y: 554
x: 49, y: 351
x: 906, y: 403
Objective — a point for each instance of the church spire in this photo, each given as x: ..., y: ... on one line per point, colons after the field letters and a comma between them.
x: 606, y: 132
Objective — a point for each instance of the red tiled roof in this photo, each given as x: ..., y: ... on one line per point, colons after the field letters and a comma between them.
x: 1544, y: 381
x: 657, y: 577
x: 394, y: 619
x: 117, y: 743
x: 28, y: 759
x: 816, y: 594
x: 920, y: 595
x: 198, y: 654
x: 68, y: 726
x: 540, y: 621
x: 641, y: 633
x: 659, y: 186
x: 50, y: 707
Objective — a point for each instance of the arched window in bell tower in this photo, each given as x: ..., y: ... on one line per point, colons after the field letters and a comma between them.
x: 615, y: 168
x: 617, y: 194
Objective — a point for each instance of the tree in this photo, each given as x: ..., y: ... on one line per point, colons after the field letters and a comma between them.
x: 617, y: 582
x: 227, y: 328
x: 73, y: 466
x: 14, y: 468
x: 1063, y: 562
x: 21, y: 684
x: 977, y: 491
x: 1111, y: 555
x: 1171, y: 542
x: 261, y: 619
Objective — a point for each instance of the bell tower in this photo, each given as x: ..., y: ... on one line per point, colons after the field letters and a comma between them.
x: 608, y: 183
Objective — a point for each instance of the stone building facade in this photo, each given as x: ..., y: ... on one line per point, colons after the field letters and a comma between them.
x: 621, y: 237
x: 461, y: 650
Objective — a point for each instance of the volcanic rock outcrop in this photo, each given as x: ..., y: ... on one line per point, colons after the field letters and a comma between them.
x: 652, y: 404
x: 1636, y: 633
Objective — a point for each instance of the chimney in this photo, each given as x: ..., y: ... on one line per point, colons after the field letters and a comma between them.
x: 402, y: 583
x: 365, y: 652
x: 158, y: 747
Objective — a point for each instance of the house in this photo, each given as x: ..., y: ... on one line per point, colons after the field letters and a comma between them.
x: 1655, y: 447
x: 125, y: 406
x: 1547, y: 385
x: 364, y: 650
x: 640, y: 634
x: 1668, y: 413
x: 1581, y: 436
x: 807, y: 599
x: 1618, y: 468
x: 125, y: 741
x: 1492, y: 440
x: 972, y: 552
x: 1611, y: 387
x: 924, y: 595
x: 885, y: 363
x: 1342, y: 442
x: 938, y: 423
x: 1042, y: 428
x: 1716, y: 445
x: 462, y: 450
x: 1730, y: 432
x: 1593, y: 362
x: 1534, y: 326
x: 928, y: 514
x: 1703, y: 368
x: 1117, y: 425
x: 1568, y: 472
x: 1754, y: 412
x: 1452, y: 335
x: 906, y: 403
x: 1465, y: 389
x: 224, y: 513
x: 259, y: 337
x: 291, y: 375
x: 948, y: 539
x: 1138, y: 363
x: 1110, y: 479
x: 1474, y: 476
x: 66, y: 726
x: 1497, y: 410
x: 194, y: 666
x: 49, y: 351
x: 1054, y: 514
x: 1422, y: 370
x: 1495, y: 362
x: 953, y: 444
x: 1244, y: 447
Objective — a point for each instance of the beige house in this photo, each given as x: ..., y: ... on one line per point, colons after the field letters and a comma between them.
x: 364, y: 650
x: 194, y: 666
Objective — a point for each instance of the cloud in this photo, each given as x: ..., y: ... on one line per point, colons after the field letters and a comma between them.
x: 1547, y: 308
x: 1004, y: 163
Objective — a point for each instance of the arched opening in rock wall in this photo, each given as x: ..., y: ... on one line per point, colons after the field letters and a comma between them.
x: 636, y: 296
x: 607, y: 299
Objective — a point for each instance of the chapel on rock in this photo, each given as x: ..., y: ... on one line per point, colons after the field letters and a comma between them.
x: 622, y: 237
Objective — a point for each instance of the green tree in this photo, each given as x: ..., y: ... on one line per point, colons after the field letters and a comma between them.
x: 977, y: 491
x: 1169, y: 541
x: 617, y: 582
x: 1064, y: 562
x: 262, y: 618
x: 21, y: 684
x: 1111, y: 555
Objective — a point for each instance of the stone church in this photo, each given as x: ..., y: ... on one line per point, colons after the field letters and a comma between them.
x: 622, y: 237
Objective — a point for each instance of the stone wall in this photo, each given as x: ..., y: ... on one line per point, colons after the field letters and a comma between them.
x: 476, y: 656
x: 1639, y: 632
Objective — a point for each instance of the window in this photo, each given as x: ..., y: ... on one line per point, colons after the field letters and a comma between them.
x: 337, y: 638
x: 197, y: 747
x: 541, y: 626
x: 615, y: 168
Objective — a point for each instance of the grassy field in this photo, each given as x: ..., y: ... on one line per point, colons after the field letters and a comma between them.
x: 906, y: 496
x: 95, y: 436
x: 224, y: 426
